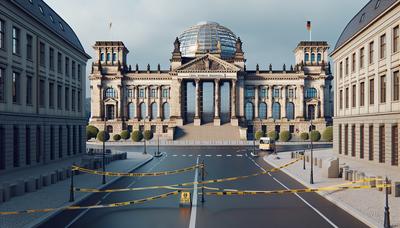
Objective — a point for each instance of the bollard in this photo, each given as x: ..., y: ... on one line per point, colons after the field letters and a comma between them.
x: 71, y: 189
x: 380, y: 181
x: 372, y: 182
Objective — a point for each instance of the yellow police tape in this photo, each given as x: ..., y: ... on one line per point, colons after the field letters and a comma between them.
x: 120, y: 204
x: 173, y: 186
x: 116, y: 174
x: 229, y: 193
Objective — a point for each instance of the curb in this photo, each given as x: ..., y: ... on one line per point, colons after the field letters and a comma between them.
x: 45, y: 218
x: 355, y: 213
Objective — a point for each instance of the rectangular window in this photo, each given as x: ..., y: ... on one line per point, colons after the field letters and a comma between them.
x: 347, y: 97
x: 73, y: 69
x: 249, y: 92
x: 165, y: 128
x: 371, y: 53
x: 263, y: 93
x: 371, y: 143
x: 395, y: 145
x: 2, y: 85
x: 16, y: 151
x: 51, y: 59
x: 59, y: 63
x: 340, y: 139
x: 42, y: 54
x: 29, y: 90
x: 165, y: 93
x: 353, y: 140
x: 141, y: 93
x: 371, y: 92
x: 79, y: 102
x: 2, y: 148
x: 362, y: 58
x: 291, y: 93
x: 382, y: 51
x: 291, y: 129
x: 362, y: 141
x: 42, y: 95
x: 2, y: 34
x: 51, y: 95
x: 353, y: 63
x: 153, y: 93
x: 396, y: 39
x: 347, y: 67
x: 354, y: 96
x: 383, y: 89
x: 396, y: 86
x: 59, y: 96
x: 27, y: 146
x: 341, y: 69
x: 16, y: 41
x: 15, y: 88
x: 130, y: 93
x: 276, y: 93
x: 79, y: 72
x: 341, y: 99
x: 73, y: 99
x: 67, y: 66
x: 29, y: 48
x: 382, y: 144
x: 66, y: 95
x: 362, y: 94
x: 346, y: 139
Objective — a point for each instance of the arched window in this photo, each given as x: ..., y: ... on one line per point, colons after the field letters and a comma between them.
x: 319, y: 57
x: 276, y: 111
x: 154, y: 111
x: 312, y: 57
x: 114, y: 57
x: 131, y: 111
x: 306, y: 57
x: 249, y: 111
x: 311, y: 93
x: 166, y: 112
x: 311, y: 112
x: 110, y: 93
x: 108, y: 56
x: 262, y: 111
x: 102, y: 57
x: 143, y: 112
x: 109, y: 129
x: 290, y: 111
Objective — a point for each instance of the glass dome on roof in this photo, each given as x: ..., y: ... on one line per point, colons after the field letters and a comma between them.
x: 204, y: 37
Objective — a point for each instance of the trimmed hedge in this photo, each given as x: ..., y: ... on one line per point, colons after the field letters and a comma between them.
x: 315, y: 136
x: 125, y: 134
x: 285, y: 136
x: 148, y: 134
x: 91, y: 131
x: 273, y: 135
x: 258, y: 135
x: 117, y: 137
x: 327, y: 135
x: 137, y: 136
x: 304, y: 136
x: 103, y: 136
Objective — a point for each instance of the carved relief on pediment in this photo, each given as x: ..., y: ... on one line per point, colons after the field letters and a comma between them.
x: 206, y: 65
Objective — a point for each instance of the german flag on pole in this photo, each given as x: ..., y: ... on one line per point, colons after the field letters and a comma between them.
x: 309, y: 26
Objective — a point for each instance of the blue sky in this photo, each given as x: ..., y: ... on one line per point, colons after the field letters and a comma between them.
x: 269, y: 29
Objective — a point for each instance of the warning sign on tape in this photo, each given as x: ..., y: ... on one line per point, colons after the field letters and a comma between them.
x: 120, y: 204
x: 116, y: 174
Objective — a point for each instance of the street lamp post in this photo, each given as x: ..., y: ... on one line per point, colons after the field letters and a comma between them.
x: 144, y: 139
x: 312, y: 157
x: 387, y: 213
x: 254, y: 141
x: 104, y: 144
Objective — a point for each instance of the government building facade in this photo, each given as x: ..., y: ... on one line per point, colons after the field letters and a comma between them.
x: 367, y: 85
x: 208, y: 84
x: 42, y: 86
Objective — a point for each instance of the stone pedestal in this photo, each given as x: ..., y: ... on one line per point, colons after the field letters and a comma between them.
x: 197, y: 121
x: 217, y: 122
x: 235, y: 122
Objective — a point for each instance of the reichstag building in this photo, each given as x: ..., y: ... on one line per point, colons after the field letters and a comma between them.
x: 208, y: 84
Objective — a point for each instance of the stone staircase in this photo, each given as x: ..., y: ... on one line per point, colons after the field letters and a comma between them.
x: 207, y: 132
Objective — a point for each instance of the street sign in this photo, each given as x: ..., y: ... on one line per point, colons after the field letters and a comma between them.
x: 185, y: 199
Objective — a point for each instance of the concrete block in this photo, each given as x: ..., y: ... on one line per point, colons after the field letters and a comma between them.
x: 1, y: 195
x: 355, y: 177
x: 330, y: 168
x: 350, y: 175
x: 62, y: 174
x: 379, y: 181
x: 18, y: 188
x: 39, y: 182
x: 6, y: 192
x: 344, y: 170
x: 53, y: 177
x: 47, y: 179
x: 396, y: 188
x: 30, y: 185
x: 372, y: 182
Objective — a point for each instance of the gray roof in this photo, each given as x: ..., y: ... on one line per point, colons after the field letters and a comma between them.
x: 371, y: 10
x: 39, y: 10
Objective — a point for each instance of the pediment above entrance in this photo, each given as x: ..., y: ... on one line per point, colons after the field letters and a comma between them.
x: 207, y: 63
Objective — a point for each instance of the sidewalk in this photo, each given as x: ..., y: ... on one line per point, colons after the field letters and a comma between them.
x: 57, y: 195
x: 366, y: 204
x: 198, y: 143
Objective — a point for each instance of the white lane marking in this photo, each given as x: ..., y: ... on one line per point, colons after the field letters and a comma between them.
x: 199, y: 155
x: 239, y: 155
x: 229, y: 155
x: 208, y: 155
x: 193, y: 211
x: 219, y: 155
x: 183, y: 155
x: 190, y: 155
x: 301, y: 198
x: 174, y: 155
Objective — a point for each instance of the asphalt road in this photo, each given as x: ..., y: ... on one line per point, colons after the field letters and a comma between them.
x: 303, y: 210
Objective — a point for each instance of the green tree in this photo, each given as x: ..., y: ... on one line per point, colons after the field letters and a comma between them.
x: 273, y: 135
x: 137, y: 136
x: 315, y: 136
x: 125, y: 134
x: 285, y: 136
x: 103, y: 136
x: 91, y: 131
x: 117, y: 137
x: 148, y: 134
x: 259, y: 134
x: 304, y: 136
x: 328, y: 134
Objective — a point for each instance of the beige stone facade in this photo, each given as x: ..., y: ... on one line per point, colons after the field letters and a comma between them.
x: 210, y: 89
x: 367, y: 102
x: 42, y: 86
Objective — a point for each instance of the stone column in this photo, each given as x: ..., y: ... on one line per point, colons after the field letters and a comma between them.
x: 270, y: 101
x: 159, y: 98
x: 234, y: 120
x: 137, y: 102
x: 197, y: 119
x: 217, y: 118
x: 300, y: 110
x: 147, y: 99
x: 255, y: 102
x: 322, y: 100
x: 283, y: 106
x: 120, y: 112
